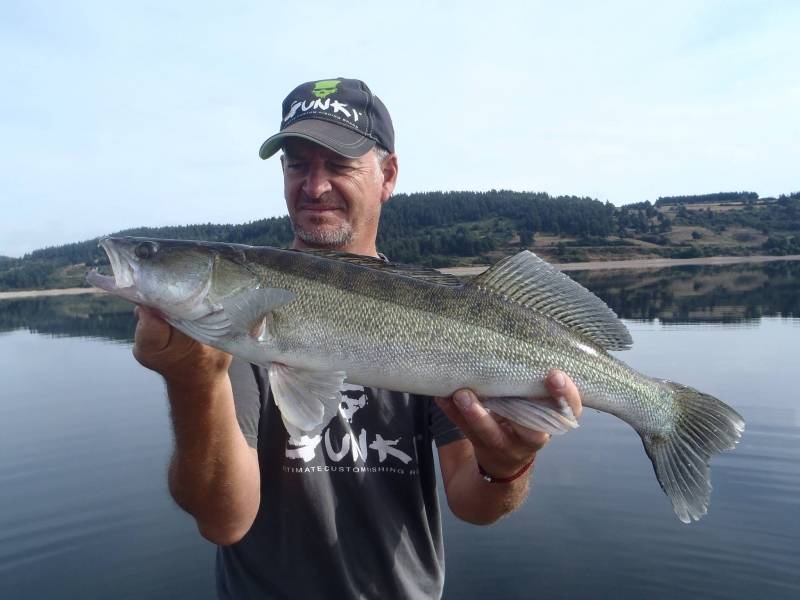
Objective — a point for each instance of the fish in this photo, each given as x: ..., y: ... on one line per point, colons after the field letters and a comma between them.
x: 315, y: 318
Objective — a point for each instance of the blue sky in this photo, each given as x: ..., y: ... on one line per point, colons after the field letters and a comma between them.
x: 116, y: 115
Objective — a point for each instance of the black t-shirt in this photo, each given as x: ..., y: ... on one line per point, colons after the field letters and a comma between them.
x: 350, y: 513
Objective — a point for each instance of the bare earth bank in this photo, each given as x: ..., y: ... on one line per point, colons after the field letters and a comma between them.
x: 59, y: 292
x: 641, y: 263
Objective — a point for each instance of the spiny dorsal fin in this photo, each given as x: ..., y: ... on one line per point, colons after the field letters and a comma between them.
x: 528, y: 280
x: 415, y: 271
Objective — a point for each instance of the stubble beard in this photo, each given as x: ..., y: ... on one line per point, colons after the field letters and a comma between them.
x: 321, y: 236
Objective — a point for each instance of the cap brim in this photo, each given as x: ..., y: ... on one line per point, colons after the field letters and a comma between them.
x: 334, y: 137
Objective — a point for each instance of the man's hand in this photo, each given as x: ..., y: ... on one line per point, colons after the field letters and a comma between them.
x: 177, y: 357
x: 503, y: 447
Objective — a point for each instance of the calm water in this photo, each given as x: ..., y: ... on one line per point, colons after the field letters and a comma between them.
x: 85, y: 439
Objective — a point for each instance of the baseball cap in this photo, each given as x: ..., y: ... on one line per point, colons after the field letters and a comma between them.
x: 341, y: 114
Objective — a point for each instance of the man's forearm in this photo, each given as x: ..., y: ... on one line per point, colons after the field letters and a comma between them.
x: 214, y: 474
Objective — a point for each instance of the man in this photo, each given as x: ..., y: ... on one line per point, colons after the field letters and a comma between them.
x: 352, y: 512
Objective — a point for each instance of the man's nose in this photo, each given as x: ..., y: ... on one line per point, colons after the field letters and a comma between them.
x: 317, y: 181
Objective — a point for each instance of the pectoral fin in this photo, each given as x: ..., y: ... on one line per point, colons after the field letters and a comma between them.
x: 207, y: 329
x: 308, y: 400
x: 536, y: 414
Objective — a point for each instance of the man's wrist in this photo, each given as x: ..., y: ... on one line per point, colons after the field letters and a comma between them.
x: 490, y: 478
x: 179, y: 388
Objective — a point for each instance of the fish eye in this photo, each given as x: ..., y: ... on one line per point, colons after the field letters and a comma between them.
x: 145, y: 250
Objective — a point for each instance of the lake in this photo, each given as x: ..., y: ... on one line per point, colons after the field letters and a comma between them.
x: 85, y: 440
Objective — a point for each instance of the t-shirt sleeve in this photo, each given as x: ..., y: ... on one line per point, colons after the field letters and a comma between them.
x: 443, y: 430
x: 247, y: 398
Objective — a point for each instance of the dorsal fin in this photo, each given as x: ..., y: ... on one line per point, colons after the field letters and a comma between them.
x: 415, y: 271
x: 528, y: 280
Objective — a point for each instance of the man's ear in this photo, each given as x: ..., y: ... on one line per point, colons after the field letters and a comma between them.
x: 283, y: 162
x: 389, y: 169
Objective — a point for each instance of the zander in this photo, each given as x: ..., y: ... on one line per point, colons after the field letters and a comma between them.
x: 314, y: 318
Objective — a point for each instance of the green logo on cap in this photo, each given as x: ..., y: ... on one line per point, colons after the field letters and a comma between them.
x: 325, y: 88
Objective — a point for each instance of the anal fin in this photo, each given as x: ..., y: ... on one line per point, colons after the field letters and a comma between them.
x: 533, y: 413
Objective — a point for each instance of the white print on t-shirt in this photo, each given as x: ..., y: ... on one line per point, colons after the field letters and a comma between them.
x: 353, y: 400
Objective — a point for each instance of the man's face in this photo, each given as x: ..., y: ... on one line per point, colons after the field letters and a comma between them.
x: 335, y: 202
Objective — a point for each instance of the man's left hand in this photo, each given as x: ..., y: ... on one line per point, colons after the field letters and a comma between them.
x: 501, y: 446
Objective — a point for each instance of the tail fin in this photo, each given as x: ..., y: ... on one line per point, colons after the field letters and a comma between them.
x: 680, y: 458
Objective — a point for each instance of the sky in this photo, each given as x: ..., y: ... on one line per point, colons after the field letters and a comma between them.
x: 125, y: 114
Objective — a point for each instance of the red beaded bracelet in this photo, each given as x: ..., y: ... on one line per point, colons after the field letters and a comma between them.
x: 517, y: 475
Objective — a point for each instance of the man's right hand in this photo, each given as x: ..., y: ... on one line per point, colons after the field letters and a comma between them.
x: 177, y: 357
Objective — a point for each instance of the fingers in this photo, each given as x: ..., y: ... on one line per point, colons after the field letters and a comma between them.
x: 497, y: 447
x: 501, y: 445
x: 152, y: 333
x: 464, y: 409
x: 180, y: 359
x: 562, y: 387
x: 156, y: 343
x: 535, y: 440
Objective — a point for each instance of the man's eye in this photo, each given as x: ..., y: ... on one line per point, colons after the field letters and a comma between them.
x: 295, y: 166
x: 341, y: 167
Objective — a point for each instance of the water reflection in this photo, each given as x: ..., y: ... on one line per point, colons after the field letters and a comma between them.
x: 92, y: 316
x: 699, y: 294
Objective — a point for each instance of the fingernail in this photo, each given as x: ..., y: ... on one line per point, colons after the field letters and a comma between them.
x: 558, y: 379
x: 463, y: 400
x: 566, y: 410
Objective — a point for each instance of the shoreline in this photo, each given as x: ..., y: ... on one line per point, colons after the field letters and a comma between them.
x: 641, y: 263
x: 636, y: 263
x: 17, y: 294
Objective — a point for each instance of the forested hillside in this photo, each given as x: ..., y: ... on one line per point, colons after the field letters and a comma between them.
x: 434, y: 227
x: 463, y: 228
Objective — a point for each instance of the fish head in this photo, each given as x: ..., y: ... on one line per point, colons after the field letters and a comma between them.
x: 184, y: 280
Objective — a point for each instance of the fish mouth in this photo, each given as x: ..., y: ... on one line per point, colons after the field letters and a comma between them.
x: 121, y: 282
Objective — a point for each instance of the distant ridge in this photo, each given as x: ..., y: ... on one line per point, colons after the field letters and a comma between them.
x: 720, y: 197
x: 467, y: 228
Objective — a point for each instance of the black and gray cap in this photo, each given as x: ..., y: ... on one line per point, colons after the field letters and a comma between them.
x: 340, y: 114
